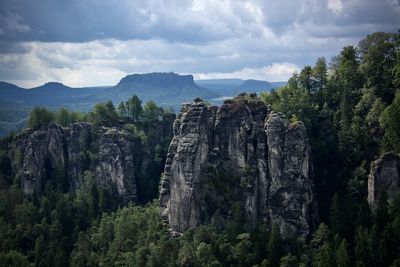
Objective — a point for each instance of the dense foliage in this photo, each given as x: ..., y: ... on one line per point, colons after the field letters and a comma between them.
x: 351, y: 108
x: 352, y: 113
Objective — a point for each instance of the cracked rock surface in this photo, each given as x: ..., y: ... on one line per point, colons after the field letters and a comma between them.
x: 67, y: 152
x: 239, y: 160
x: 384, y: 176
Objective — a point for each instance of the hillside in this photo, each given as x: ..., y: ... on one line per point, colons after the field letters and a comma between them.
x: 166, y: 89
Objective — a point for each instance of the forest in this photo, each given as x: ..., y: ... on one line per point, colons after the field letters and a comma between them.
x: 351, y: 109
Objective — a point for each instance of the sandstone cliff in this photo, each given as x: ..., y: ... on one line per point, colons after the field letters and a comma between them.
x: 384, y: 176
x: 66, y: 153
x: 238, y: 161
x: 62, y: 155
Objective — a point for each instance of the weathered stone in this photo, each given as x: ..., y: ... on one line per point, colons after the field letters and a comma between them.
x: 238, y: 160
x: 115, y: 163
x: 79, y: 152
x: 39, y: 156
x: 384, y: 176
x: 33, y: 164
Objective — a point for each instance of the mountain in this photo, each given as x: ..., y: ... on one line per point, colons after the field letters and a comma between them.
x: 51, y: 94
x: 255, y: 86
x: 11, y: 92
x: 231, y: 87
x: 166, y: 89
x: 12, y: 116
x: 17, y: 102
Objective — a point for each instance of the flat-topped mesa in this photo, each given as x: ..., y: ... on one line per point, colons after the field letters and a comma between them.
x: 158, y: 79
x: 238, y: 160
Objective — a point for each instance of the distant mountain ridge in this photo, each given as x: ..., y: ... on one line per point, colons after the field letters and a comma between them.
x: 51, y: 94
x: 167, y: 89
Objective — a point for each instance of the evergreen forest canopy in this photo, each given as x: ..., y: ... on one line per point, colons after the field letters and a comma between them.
x: 351, y: 108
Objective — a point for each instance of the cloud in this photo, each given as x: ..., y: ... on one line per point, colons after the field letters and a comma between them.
x: 74, y: 41
x: 12, y: 22
x: 186, y: 21
x: 273, y: 73
x: 336, y: 6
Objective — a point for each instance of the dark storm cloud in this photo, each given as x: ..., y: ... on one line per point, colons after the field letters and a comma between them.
x: 80, y: 21
x: 340, y: 18
x: 12, y: 48
x: 89, y: 42
x: 182, y: 21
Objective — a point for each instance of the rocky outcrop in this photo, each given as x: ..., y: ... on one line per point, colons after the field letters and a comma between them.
x: 238, y: 161
x: 63, y: 155
x: 384, y: 176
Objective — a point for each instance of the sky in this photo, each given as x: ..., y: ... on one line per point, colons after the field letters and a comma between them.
x: 97, y: 42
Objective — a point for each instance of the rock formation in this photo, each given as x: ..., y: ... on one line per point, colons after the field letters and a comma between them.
x: 66, y: 153
x: 238, y: 161
x: 384, y: 176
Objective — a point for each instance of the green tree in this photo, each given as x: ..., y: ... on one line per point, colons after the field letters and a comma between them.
x: 243, y: 251
x: 39, y: 118
x: 275, y: 246
x: 379, y: 53
x: 289, y: 261
x: 104, y: 112
x: 65, y: 117
x: 13, y: 259
x: 322, y: 254
x: 93, y: 197
x: 151, y: 112
x: 362, y: 247
x: 122, y: 111
x: 349, y: 82
x: 320, y: 81
x: 293, y: 101
x: 335, y: 215
x: 390, y: 122
x: 134, y: 108
x: 305, y: 79
x: 81, y: 255
x: 343, y: 255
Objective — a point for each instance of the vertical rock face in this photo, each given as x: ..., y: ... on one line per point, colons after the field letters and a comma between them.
x: 116, y: 162
x: 238, y: 161
x: 79, y: 147
x: 66, y: 153
x: 384, y: 176
x: 291, y: 199
x: 33, y: 161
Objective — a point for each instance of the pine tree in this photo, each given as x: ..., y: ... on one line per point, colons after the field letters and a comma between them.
x: 122, y: 109
x: 275, y: 246
x: 390, y: 122
x: 322, y: 253
x: 342, y: 254
x: 320, y: 80
x: 362, y: 247
x: 335, y: 216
